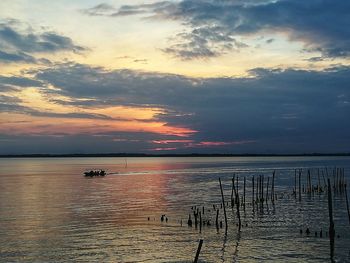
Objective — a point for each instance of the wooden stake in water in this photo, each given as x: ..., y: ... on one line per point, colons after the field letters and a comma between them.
x: 237, y: 205
x: 267, y: 188
x: 198, y: 250
x: 223, y: 205
x: 299, y: 185
x: 262, y: 189
x: 273, y: 186
x: 347, y: 201
x: 331, y: 222
x: 217, y: 219
x: 232, y: 199
x: 319, y: 181
x: 295, y: 183
x: 309, y: 181
x: 253, y: 191
x: 244, y: 192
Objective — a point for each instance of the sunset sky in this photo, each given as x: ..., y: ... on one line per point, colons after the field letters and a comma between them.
x: 185, y: 76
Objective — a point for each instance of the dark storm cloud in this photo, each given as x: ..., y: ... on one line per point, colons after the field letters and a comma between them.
x: 322, y: 25
x: 289, y: 106
x: 20, y: 45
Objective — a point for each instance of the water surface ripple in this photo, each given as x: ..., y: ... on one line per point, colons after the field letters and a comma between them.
x: 49, y: 212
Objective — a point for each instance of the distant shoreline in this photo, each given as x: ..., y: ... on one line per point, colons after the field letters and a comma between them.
x: 97, y: 155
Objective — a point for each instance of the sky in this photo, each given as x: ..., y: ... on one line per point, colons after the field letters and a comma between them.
x: 177, y: 76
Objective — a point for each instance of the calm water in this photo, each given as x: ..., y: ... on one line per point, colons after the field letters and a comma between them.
x: 50, y: 213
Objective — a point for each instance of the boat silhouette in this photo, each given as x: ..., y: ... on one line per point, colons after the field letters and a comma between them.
x: 95, y: 173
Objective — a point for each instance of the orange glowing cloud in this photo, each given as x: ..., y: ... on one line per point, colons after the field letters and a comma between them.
x: 32, y: 125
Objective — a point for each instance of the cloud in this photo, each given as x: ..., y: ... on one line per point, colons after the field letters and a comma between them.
x: 16, y: 57
x: 12, y: 104
x: 20, y: 43
x: 274, y: 108
x: 20, y: 81
x: 271, y: 110
x: 104, y: 9
x: 214, y: 27
x: 99, y: 10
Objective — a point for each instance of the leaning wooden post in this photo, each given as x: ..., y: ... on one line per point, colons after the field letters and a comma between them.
x: 347, y: 201
x: 198, y: 250
x: 223, y: 205
x: 331, y: 222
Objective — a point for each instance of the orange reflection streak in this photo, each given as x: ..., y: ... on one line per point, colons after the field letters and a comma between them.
x: 31, y: 125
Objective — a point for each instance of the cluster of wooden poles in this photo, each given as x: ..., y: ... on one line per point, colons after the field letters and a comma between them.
x: 263, y: 192
x: 338, y: 181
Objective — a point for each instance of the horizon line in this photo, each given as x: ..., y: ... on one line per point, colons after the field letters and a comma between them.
x: 66, y: 155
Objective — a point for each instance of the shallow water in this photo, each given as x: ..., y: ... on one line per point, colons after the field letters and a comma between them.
x: 49, y: 212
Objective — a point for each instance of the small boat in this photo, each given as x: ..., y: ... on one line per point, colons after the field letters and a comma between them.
x: 93, y: 173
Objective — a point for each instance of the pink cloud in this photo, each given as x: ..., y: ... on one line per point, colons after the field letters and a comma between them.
x: 164, y: 149
x: 171, y: 141
x: 216, y: 143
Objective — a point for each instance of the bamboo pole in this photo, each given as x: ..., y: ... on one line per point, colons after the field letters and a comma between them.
x: 299, y: 185
x: 223, y: 205
x: 232, y: 199
x: 198, y: 250
x: 262, y: 189
x: 237, y: 206
x: 295, y: 183
x: 257, y: 188
x: 244, y: 183
x: 217, y: 219
x: 324, y: 180
x: 347, y: 202
x: 253, y: 191
x: 273, y: 186
x: 331, y: 222
x: 267, y: 188
x: 309, y: 181
x: 319, y: 181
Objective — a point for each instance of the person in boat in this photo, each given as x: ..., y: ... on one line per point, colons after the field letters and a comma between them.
x: 92, y: 173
